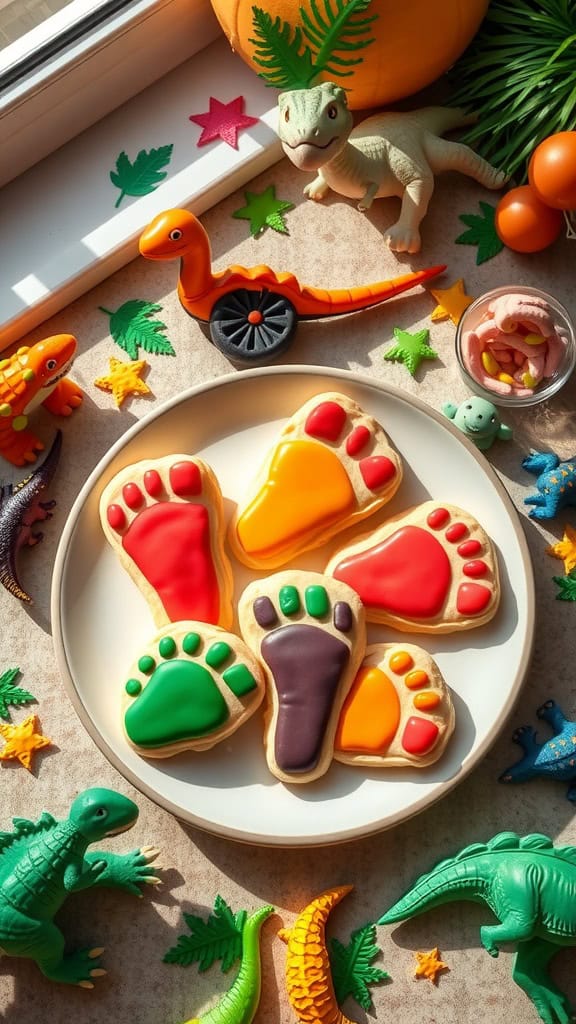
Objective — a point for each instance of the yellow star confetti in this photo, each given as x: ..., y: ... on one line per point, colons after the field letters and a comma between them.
x: 565, y: 549
x: 451, y: 302
x: 430, y: 965
x: 21, y: 741
x: 124, y: 380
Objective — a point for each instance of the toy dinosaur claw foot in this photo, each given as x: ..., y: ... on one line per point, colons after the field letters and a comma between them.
x: 23, y: 448
x: 77, y: 968
x: 403, y: 239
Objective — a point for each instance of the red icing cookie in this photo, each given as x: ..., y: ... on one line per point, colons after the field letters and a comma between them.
x: 431, y: 569
x: 165, y: 520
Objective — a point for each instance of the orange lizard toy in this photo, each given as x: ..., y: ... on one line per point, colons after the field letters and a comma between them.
x: 252, y: 311
x: 34, y: 375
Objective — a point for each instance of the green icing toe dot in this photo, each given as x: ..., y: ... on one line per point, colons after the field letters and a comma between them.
x: 133, y: 687
x: 316, y: 601
x: 191, y: 643
x: 289, y: 600
x: 167, y: 647
x: 217, y: 654
x: 240, y: 679
x: 146, y: 664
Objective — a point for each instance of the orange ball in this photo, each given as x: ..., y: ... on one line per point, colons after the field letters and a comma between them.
x: 552, y: 171
x: 524, y: 223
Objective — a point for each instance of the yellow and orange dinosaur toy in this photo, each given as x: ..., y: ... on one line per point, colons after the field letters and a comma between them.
x: 34, y: 375
x: 252, y: 312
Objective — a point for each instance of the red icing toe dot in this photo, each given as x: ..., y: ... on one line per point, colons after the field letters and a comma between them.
x: 438, y: 518
x: 326, y: 421
x: 115, y: 516
x: 357, y: 440
x: 420, y: 735
x: 132, y: 495
x: 185, y: 479
x: 469, y: 548
x: 377, y: 471
x: 473, y: 598
x: 474, y: 569
x: 455, y: 532
x: 153, y: 482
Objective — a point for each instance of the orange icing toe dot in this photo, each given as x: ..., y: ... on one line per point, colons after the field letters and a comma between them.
x: 417, y: 679
x: 420, y: 735
x: 326, y: 421
x: 426, y: 701
x: 307, y: 489
x: 371, y: 714
x: 401, y: 662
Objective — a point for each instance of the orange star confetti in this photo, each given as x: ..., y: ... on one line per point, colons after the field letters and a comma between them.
x: 430, y: 965
x: 565, y: 549
x: 124, y: 379
x: 451, y: 302
x: 22, y: 740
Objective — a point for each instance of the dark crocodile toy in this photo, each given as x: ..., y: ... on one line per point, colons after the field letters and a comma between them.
x: 555, y: 759
x: 20, y: 508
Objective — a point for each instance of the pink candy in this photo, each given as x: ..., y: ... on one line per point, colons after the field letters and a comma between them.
x: 499, y: 356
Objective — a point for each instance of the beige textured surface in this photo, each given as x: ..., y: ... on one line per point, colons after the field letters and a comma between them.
x: 332, y: 245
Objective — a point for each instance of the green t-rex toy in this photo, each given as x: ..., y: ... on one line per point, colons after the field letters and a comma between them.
x: 42, y: 862
x: 530, y: 885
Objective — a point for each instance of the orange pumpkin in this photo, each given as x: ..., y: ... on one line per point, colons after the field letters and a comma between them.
x: 415, y: 42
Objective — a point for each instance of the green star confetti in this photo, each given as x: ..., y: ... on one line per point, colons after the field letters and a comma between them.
x: 142, y: 176
x: 481, y: 232
x: 11, y: 694
x: 566, y: 586
x: 411, y: 349
x: 264, y: 210
x: 131, y: 328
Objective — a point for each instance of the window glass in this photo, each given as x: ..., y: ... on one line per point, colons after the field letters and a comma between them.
x: 17, y: 17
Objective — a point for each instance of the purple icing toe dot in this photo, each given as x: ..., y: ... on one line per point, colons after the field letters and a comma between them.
x: 343, y: 616
x: 265, y: 612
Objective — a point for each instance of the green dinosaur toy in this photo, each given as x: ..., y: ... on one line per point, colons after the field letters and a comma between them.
x: 42, y: 862
x: 478, y: 420
x: 239, y: 1004
x: 530, y: 885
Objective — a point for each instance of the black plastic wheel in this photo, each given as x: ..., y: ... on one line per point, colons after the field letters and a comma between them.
x: 252, y: 327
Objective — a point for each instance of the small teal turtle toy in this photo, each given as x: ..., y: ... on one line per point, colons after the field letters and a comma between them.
x: 479, y: 420
x: 555, y: 758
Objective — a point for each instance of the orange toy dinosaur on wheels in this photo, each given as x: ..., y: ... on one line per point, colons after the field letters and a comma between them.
x: 252, y: 312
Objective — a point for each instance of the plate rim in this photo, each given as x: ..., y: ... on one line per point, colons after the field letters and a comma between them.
x: 183, y: 814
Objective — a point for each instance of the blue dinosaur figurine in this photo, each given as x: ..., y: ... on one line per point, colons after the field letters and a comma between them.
x: 478, y: 420
x: 555, y: 758
x: 556, y: 484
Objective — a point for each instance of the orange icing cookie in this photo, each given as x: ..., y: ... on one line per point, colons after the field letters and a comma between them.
x: 164, y: 518
x: 398, y: 712
x: 331, y: 467
x: 431, y: 569
x: 309, y: 633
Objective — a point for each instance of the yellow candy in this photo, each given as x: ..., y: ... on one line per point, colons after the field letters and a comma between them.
x: 490, y: 364
x: 506, y: 378
x: 534, y: 339
x: 528, y: 380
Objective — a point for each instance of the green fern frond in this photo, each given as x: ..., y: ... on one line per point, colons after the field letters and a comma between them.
x: 519, y: 77
x: 293, y: 56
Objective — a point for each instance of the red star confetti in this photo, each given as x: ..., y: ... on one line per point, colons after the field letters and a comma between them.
x: 223, y: 121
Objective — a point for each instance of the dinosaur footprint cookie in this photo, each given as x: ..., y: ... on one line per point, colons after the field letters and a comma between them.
x: 165, y: 520
x: 399, y: 711
x: 309, y: 632
x: 432, y: 569
x: 191, y: 687
x: 331, y: 466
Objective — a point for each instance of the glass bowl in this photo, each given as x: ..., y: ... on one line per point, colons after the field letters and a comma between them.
x: 548, y: 386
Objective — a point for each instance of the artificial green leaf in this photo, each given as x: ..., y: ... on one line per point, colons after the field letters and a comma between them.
x: 218, y: 938
x: 279, y: 50
x: 11, y: 694
x: 566, y: 586
x: 481, y: 232
x: 264, y: 210
x: 142, y: 176
x: 132, y: 329
x: 352, y: 971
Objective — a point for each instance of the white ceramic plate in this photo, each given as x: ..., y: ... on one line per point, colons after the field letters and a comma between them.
x: 100, y: 618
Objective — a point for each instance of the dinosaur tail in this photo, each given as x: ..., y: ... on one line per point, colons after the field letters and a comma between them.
x: 316, y: 302
x: 444, y: 884
x: 439, y: 120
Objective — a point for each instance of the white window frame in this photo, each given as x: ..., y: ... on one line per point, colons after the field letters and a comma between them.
x: 93, y: 74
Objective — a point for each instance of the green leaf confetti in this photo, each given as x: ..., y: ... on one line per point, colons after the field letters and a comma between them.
x: 566, y: 586
x: 218, y: 938
x: 131, y: 328
x: 481, y: 232
x: 352, y: 970
x: 142, y: 176
x: 11, y: 694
